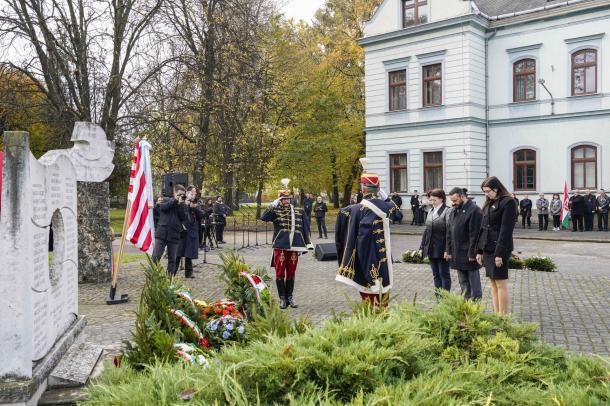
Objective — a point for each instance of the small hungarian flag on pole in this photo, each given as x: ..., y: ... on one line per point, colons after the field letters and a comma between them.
x: 138, y: 226
x: 565, y: 210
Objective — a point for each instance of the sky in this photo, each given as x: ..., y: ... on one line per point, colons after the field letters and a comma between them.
x: 301, y: 9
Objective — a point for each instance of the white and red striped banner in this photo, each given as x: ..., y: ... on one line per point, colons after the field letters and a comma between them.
x: 140, y: 227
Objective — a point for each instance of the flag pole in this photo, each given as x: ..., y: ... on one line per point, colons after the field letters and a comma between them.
x: 117, y: 262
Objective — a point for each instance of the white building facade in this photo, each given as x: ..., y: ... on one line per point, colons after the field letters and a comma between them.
x: 458, y: 90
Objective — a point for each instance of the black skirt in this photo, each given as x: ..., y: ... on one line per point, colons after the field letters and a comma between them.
x: 493, y: 272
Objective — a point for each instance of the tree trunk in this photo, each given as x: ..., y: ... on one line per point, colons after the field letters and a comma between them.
x: 347, y: 190
x: 335, y: 177
x: 259, y: 197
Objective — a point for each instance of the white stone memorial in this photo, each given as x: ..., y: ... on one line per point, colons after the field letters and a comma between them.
x: 38, y: 289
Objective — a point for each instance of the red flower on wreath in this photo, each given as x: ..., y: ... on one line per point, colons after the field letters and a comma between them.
x: 218, y: 310
x: 203, y: 342
x: 225, y: 312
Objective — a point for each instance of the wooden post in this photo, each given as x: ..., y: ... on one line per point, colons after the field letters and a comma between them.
x: 117, y: 264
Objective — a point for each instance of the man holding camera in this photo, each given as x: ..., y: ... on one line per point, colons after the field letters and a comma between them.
x: 172, y: 216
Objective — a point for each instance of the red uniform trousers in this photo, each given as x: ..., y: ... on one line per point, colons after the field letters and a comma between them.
x: 285, y: 263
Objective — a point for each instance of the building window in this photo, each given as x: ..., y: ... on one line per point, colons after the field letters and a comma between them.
x: 432, y: 85
x: 414, y: 12
x: 398, y: 90
x: 584, y: 167
x: 524, y: 169
x: 398, y: 173
x: 524, y: 80
x: 584, y: 72
x: 433, y: 170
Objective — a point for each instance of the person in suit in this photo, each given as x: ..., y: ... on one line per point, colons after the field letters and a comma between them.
x: 157, y: 211
x: 542, y: 207
x: 290, y: 240
x: 590, y: 210
x: 362, y: 237
x: 415, y: 208
x: 495, y: 240
x: 577, y: 211
x: 167, y: 234
x: 220, y: 213
x: 189, y: 241
x: 517, y: 203
x: 603, y: 203
x: 463, y: 225
x: 320, y: 210
x: 525, y: 207
x: 434, y: 240
x: 307, y: 206
x: 208, y: 227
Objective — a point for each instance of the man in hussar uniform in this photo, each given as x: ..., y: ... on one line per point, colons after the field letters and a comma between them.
x: 362, y: 236
x: 290, y: 240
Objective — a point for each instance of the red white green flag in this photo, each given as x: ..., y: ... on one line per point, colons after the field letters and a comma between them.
x: 565, y: 211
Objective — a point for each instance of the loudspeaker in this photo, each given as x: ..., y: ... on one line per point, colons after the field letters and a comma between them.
x: 172, y: 179
x: 326, y: 252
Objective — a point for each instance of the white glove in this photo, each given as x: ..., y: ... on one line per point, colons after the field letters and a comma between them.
x: 275, y: 203
x: 382, y: 194
x: 310, y: 246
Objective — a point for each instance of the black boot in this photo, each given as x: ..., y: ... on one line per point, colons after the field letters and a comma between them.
x: 289, y: 289
x: 281, y: 290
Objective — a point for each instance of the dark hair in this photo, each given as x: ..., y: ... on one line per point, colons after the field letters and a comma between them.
x: 494, y: 184
x: 440, y: 193
x: 458, y: 191
x: 191, y: 187
x: 556, y: 194
x: 179, y: 188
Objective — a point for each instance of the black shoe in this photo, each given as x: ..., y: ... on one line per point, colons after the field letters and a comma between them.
x: 289, y: 290
x: 281, y: 291
x: 189, y: 276
x: 283, y: 303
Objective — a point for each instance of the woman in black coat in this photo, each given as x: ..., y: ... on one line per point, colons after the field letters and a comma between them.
x: 495, y: 243
x: 189, y: 240
x: 434, y: 240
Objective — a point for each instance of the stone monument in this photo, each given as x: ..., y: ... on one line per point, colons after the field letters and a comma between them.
x: 39, y: 288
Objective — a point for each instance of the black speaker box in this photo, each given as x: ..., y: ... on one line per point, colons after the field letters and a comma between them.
x: 172, y: 179
x: 326, y: 252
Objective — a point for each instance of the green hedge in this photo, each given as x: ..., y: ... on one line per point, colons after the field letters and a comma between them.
x: 453, y: 353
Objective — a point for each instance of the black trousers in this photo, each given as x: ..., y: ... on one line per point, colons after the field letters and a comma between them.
x: 602, y: 221
x: 172, y: 250
x: 188, y: 266
x: 543, y: 222
x: 414, y: 210
x: 220, y: 228
x: 321, y: 227
x: 207, y: 235
x: 577, y: 223
x: 556, y: 221
x: 527, y: 218
x: 588, y: 221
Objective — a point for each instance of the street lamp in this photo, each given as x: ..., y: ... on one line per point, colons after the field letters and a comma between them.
x: 542, y: 82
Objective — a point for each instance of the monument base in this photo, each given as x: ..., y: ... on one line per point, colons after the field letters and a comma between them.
x: 26, y: 392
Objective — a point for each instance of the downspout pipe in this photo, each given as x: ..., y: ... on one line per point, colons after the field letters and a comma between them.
x: 487, y: 149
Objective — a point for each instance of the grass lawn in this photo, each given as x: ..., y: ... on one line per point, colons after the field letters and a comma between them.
x: 117, y: 217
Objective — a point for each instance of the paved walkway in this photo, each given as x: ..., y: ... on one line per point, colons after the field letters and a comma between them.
x: 571, y: 306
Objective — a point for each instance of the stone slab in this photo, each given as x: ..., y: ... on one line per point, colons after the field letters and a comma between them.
x: 28, y: 391
x: 63, y: 397
x: 76, y: 366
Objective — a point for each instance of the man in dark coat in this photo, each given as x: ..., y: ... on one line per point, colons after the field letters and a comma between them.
x: 290, y: 240
x: 590, y: 210
x: 307, y: 206
x: 603, y: 203
x: 577, y: 211
x: 525, y: 207
x: 157, y: 211
x: 463, y: 226
x: 189, y: 241
x: 397, y: 215
x: 415, y: 208
x: 169, y: 228
x: 320, y: 210
x: 362, y: 236
x: 220, y: 213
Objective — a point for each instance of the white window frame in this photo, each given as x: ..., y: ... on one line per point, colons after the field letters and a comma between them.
x: 511, y: 168
x: 388, y: 169
x: 515, y: 55
x: 430, y: 58
x: 393, y: 66
x: 578, y: 44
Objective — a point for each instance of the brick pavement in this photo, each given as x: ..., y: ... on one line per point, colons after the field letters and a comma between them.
x: 570, y: 308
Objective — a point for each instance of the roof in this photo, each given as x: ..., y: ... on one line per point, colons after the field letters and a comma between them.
x: 501, y: 7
